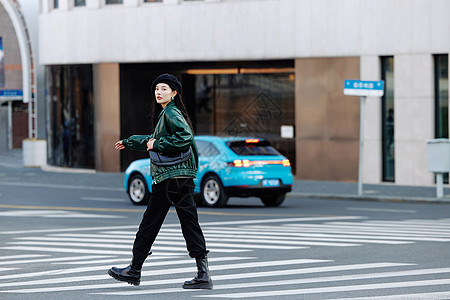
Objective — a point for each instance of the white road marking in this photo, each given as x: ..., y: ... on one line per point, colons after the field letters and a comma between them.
x: 409, y: 211
x: 54, y: 214
x: 59, y: 186
x: 296, y: 281
x: 103, y: 199
x: 22, y: 256
x: 59, y: 259
x: 143, y: 273
x: 418, y: 296
x: 333, y: 289
x: 154, y: 247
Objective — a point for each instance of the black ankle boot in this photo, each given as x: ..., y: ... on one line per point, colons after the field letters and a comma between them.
x: 128, y: 274
x: 203, y: 278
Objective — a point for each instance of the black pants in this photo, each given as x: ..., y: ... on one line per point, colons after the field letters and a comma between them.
x: 179, y: 192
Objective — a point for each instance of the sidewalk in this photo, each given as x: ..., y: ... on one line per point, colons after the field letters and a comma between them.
x: 12, y: 170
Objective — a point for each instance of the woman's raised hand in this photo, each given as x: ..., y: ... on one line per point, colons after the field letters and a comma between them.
x: 119, y: 145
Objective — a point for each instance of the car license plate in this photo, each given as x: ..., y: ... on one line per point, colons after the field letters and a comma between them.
x: 270, y: 182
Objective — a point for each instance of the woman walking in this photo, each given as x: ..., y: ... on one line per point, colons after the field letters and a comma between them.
x: 172, y: 184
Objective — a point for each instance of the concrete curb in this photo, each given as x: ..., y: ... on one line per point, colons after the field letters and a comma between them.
x: 381, y: 198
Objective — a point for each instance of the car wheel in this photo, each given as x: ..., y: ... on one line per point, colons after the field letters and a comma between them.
x: 274, y: 200
x: 137, y: 190
x: 212, y: 192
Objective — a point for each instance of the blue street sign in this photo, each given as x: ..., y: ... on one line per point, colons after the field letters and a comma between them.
x: 364, y: 88
x: 11, y: 93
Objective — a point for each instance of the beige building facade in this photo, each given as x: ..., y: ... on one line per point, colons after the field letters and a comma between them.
x: 269, y: 63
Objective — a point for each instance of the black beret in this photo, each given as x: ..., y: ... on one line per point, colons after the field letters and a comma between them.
x: 170, y: 80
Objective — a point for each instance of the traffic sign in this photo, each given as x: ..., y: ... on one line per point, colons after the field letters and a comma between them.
x: 364, y: 88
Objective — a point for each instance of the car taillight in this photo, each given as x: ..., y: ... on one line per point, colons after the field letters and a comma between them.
x: 251, y: 141
x: 286, y: 163
x: 238, y: 163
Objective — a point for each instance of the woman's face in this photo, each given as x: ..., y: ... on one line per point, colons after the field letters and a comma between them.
x: 163, y: 93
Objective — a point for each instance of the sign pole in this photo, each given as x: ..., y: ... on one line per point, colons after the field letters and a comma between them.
x: 361, y: 142
x: 362, y: 89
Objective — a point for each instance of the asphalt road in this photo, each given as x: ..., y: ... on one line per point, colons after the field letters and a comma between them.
x: 61, y: 232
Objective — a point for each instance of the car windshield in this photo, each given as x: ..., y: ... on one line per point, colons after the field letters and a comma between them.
x: 252, y: 147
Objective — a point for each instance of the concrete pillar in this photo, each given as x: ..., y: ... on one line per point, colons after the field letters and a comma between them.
x: 106, y: 116
x: 414, y: 117
x: 371, y: 70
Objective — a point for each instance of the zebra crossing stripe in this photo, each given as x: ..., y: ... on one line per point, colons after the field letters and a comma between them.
x: 66, y: 250
x: 59, y: 259
x: 156, y: 247
x: 349, y: 230
x: 301, y: 236
x: 174, y: 281
x: 418, y: 296
x: 333, y: 289
x: 21, y: 256
x: 297, y: 281
x: 99, y: 277
x: 144, y: 273
x: 210, y: 237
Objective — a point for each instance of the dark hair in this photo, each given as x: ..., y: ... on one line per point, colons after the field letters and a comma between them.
x: 156, y: 108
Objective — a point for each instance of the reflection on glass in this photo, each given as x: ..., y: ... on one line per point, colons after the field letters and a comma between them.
x: 70, y: 120
x: 254, y: 105
x: 441, y: 95
x: 388, y: 142
x: 80, y: 2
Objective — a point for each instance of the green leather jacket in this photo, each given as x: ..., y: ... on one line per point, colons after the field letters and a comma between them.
x: 172, y: 134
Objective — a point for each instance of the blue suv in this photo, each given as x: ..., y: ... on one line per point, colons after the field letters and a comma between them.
x: 228, y: 167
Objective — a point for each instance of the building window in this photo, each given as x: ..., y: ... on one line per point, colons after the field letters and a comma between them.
x: 441, y: 95
x: 55, y: 3
x: 80, y: 2
x: 114, y: 1
x: 70, y: 118
x: 387, y: 117
x: 148, y: 1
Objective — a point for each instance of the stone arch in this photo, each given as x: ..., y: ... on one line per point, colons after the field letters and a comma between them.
x: 24, y: 46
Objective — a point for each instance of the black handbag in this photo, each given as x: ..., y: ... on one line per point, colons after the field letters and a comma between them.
x: 169, y: 159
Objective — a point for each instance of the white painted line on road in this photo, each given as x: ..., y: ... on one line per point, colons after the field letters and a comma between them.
x: 397, y: 225
x: 54, y: 214
x: 97, y: 268
x: 67, y: 250
x: 60, y: 186
x: 155, y: 248
x: 416, y: 296
x: 409, y: 211
x: 363, y: 231
x: 333, y: 289
x: 135, y: 227
x: 357, y: 227
x: 246, y: 285
x: 299, y: 231
x: 21, y: 256
x: 51, y: 260
x: 85, y: 277
x: 303, y: 219
x: 103, y: 199
x: 300, y: 237
x: 251, y: 240
x: 254, y: 275
x: 437, y: 227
